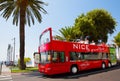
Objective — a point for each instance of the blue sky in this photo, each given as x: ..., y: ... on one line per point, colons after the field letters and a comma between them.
x: 61, y: 13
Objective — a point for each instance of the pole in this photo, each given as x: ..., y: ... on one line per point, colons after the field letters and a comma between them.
x: 14, y: 52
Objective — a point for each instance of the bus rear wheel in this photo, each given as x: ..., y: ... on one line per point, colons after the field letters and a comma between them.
x: 109, y: 65
x: 103, y: 66
x: 74, y: 69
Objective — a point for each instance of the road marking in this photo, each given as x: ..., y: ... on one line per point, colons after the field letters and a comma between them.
x: 4, y: 78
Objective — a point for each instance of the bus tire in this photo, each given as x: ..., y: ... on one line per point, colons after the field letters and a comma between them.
x: 109, y: 65
x: 103, y: 65
x: 74, y: 69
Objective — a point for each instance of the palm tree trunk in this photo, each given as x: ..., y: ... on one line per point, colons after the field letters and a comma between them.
x: 22, y: 37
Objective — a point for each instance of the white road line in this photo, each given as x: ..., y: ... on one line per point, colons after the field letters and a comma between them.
x: 7, y: 77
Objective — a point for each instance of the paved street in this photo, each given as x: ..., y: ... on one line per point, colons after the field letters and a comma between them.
x: 5, y: 74
x: 111, y: 74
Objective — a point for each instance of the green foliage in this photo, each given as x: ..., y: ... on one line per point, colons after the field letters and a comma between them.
x: 117, y: 39
x: 13, y: 7
x: 96, y: 24
x: 25, y: 61
x: 28, y: 69
x: 85, y: 26
x: 68, y: 33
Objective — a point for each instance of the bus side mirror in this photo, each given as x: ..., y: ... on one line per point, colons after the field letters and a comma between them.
x: 36, y: 58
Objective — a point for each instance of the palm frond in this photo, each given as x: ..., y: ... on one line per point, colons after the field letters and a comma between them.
x: 33, y: 10
x: 7, y: 7
x: 68, y: 33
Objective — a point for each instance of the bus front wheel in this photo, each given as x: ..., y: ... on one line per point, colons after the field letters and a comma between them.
x: 74, y: 69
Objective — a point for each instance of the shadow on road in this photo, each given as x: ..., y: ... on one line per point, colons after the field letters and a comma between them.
x: 71, y: 76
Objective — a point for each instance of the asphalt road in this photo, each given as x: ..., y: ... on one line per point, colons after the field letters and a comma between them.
x: 110, y: 74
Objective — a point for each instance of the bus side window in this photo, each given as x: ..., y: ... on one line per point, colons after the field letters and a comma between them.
x: 58, y: 57
x: 107, y: 55
x: 82, y: 56
x: 62, y: 57
x: 104, y: 56
x: 100, y: 55
x: 73, y: 56
x: 54, y: 57
x: 79, y: 55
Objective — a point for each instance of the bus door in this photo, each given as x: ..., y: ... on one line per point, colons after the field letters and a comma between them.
x: 36, y: 58
x: 58, y: 62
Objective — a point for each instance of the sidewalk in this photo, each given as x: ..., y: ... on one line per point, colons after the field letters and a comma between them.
x: 5, y: 70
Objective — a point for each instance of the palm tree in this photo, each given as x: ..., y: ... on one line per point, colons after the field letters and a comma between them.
x: 24, y: 12
x: 68, y: 33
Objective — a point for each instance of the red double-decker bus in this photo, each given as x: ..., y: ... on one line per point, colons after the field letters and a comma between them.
x: 57, y: 56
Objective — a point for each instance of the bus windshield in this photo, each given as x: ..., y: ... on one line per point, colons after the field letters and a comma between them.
x: 45, y: 37
x: 44, y: 57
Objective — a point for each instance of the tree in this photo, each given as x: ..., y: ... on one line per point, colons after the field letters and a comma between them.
x: 85, y: 25
x: 68, y: 33
x: 24, y: 12
x: 96, y: 24
x: 27, y: 59
x: 117, y: 42
x: 117, y: 39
